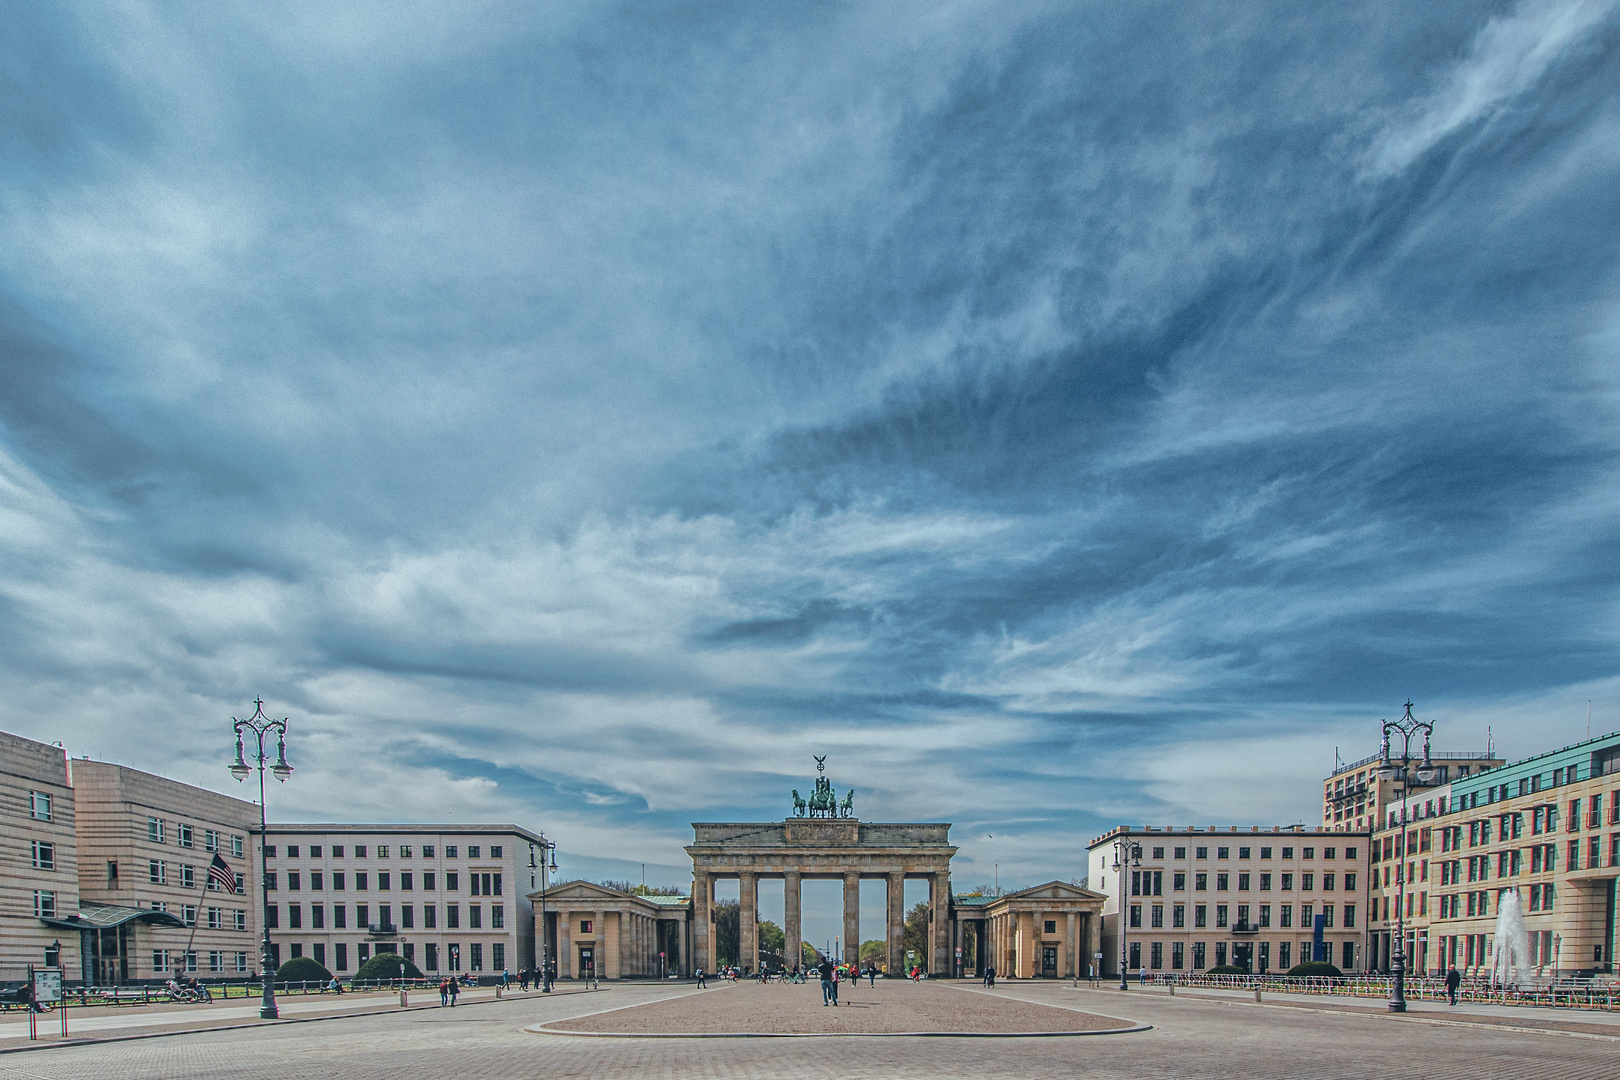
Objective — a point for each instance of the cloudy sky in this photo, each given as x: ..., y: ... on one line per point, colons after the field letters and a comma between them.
x: 580, y: 415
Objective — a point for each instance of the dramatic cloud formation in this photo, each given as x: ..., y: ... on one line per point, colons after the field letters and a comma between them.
x: 579, y: 416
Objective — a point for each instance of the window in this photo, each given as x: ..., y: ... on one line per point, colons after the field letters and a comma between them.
x: 1285, y: 915
x: 1050, y: 926
x: 317, y: 917
x: 404, y: 851
x: 44, y: 903
x: 495, y: 853
x: 270, y: 879
x: 340, y: 916
x: 112, y: 872
x: 188, y: 877
x: 427, y: 852
x: 475, y: 916
x: 1265, y: 882
x: 1307, y: 916
x: 154, y: 831
x: 1203, y: 853
x: 337, y: 880
x: 407, y: 916
x: 1328, y: 853
x: 1350, y: 853
x: 452, y: 881
x: 1349, y: 883
x: 1349, y: 916
x: 1158, y: 853
x: 293, y: 881
x: 295, y: 916
x: 428, y: 878
x: 1243, y: 853
x: 342, y: 956
x: 450, y: 851
x: 269, y: 851
x: 362, y: 915
x: 1265, y: 915
x: 210, y: 840
x: 1327, y: 913
x: 1220, y: 882
x: 1220, y: 914
x: 1327, y: 882
x: 585, y: 926
x: 431, y: 957
x: 1179, y: 882
x: 1243, y: 883
x: 337, y: 851
x: 160, y: 961
x: 186, y: 836
x: 236, y: 846
x: 239, y: 921
x: 405, y: 880
x: 1136, y: 916
x: 157, y: 871
x: 1181, y: 853
x: 497, y: 956
x: 430, y: 916
x: 360, y: 880
x: 1307, y: 853
x: 383, y: 880
x: 1285, y: 953
x: 1158, y: 916
x: 1200, y: 882
x: 292, y: 851
x: 39, y: 805
x: 272, y: 916
x: 314, y: 851
x: 452, y: 916
x: 1223, y: 853
x: 359, y: 851
x: 315, y: 879
x: 1265, y: 853
x: 44, y: 853
x: 1156, y: 955
x: 382, y: 851
x: 1177, y: 955
x: 1307, y: 881
x: 1178, y: 916
x: 1201, y: 915
x: 1136, y: 954
x: 1198, y: 956
x: 472, y: 851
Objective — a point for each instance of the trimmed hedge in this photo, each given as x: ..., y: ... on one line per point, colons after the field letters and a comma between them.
x: 385, y: 966
x: 1226, y: 969
x: 1317, y: 968
x: 302, y: 969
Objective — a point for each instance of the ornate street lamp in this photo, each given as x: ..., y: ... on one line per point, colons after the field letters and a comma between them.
x: 548, y: 850
x: 1406, y: 727
x: 261, y: 725
x: 1127, y: 856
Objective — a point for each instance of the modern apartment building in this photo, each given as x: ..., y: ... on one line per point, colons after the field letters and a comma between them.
x: 1354, y: 793
x: 1547, y: 827
x: 449, y: 898
x: 1405, y: 876
x: 1204, y: 897
x: 39, y: 877
x: 145, y: 845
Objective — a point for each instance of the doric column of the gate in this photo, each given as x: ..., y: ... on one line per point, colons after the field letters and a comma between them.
x: 852, y: 917
x: 897, y: 922
x: 748, y: 921
x: 939, y: 912
x: 792, y: 918
x: 702, y: 938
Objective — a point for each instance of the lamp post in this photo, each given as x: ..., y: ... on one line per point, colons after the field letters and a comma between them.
x: 548, y: 851
x: 1406, y: 727
x: 1127, y: 855
x: 261, y: 725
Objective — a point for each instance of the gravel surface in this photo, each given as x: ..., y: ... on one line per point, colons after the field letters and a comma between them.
x: 889, y: 1008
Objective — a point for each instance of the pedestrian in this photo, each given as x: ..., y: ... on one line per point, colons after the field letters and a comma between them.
x: 1453, y: 983
x: 702, y: 982
x: 829, y: 989
x: 455, y: 991
x: 523, y: 978
x: 871, y: 975
x: 506, y: 980
x: 444, y: 992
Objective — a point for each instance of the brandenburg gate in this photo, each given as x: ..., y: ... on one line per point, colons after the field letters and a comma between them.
x: 822, y: 840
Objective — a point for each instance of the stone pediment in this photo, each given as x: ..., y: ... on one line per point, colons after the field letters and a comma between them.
x: 1055, y: 890
x: 583, y: 890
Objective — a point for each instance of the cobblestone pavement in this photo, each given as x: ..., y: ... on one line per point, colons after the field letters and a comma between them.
x: 1191, y: 1038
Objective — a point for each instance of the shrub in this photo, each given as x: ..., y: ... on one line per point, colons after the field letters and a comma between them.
x: 302, y: 969
x: 1317, y: 968
x: 1226, y: 969
x: 384, y: 967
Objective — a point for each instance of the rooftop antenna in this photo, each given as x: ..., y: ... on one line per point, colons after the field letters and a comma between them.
x: 1588, y: 718
x: 1490, y: 743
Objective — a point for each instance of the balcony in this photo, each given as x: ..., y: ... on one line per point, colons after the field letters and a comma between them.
x: 1245, y: 928
x: 382, y: 930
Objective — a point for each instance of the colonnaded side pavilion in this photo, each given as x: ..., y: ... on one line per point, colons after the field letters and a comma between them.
x: 1048, y: 931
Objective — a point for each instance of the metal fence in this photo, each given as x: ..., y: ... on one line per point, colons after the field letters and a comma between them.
x: 158, y: 994
x: 1565, y: 994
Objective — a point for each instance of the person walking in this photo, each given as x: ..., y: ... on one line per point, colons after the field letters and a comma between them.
x: 455, y: 991
x: 1453, y: 983
x: 990, y: 977
x: 871, y: 975
x: 829, y: 989
x: 444, y: 992
x: 506, y: 979
x: 702, y: 982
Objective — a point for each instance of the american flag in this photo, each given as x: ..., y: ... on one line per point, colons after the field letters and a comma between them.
x: 219, y: 872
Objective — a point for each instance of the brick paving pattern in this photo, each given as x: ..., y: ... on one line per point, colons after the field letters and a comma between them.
x: 1191, y: 1038
x: 888, y: 1008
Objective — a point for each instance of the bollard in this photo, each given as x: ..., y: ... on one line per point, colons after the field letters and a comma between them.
x: 1172, y: 988
x: 404, y: 998
x: 498, y: 989
x: 1257, y: 993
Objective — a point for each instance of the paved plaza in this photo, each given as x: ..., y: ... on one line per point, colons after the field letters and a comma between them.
x: 1191, y: 1036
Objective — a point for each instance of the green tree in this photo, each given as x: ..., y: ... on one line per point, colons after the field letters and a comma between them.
x: 874, y: 952
x: 809, y: 955
x: 302, y: 969
x: 726, y: 947
x: 772, y: 939
x: 914, y: 935
x: 384, y: 967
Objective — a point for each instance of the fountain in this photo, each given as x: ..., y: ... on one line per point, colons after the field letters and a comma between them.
x: 1512, y: 960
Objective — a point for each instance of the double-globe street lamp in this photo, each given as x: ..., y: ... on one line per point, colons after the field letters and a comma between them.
x: 261, y: 725
x: 547, y: 863
x: 1406, y: 727
x: 1127, y: 856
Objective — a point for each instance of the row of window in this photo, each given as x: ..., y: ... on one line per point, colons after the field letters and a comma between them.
x: 216, y: 918
x: 165, y: 961
x: 1151, y: 882
x: 385, y: 916
x: 157, y: 832
x: 478, y: 883
x: 157, y: 873
x: 1259, y: 958
x: 1285, y: 915
x: 1265, y: 852
x: 1476, y: 904
x: 430, y: 955
x: 383, y: 851
x: 1527, y: 786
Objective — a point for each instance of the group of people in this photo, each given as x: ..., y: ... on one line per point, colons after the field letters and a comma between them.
x: 184, y: 989
x: 526, y: 976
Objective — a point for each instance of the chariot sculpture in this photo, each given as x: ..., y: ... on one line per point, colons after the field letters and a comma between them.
x: 823, y: 801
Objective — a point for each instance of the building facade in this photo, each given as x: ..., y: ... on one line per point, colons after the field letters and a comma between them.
x: 1050, y: 931
x: 145, y: 845
x: 1546, y: 827
x: 39, y: 876
x: 1405, y: 874
x: 449, y: 898
x: 594, y: 930
x: 1201, y: 898
x: 1353, y: 794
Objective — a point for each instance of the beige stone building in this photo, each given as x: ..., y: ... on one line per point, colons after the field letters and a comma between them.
x: 145, y: 845
x: 450, y: 898
x: 1202, y: 897
x: 39, y: 878
x: 593, y: 929
x: 1050, y: 931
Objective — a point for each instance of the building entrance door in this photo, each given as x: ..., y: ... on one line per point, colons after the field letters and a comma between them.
x: 1243, y: 955
x: 587, y: 961
x: 1049, y: 962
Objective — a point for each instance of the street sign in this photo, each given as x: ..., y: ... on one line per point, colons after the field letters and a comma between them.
x: 47, y: 985
x: 1096, y: 956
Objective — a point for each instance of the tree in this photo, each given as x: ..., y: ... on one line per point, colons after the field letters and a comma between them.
x: 809, y: 955
x: 641, y: 890
x: 726, y: 947
x: 302, y: 969
x: 874, y: 952
x: 914, y: 936
x: 384, y: 967
x: 772, y: 939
